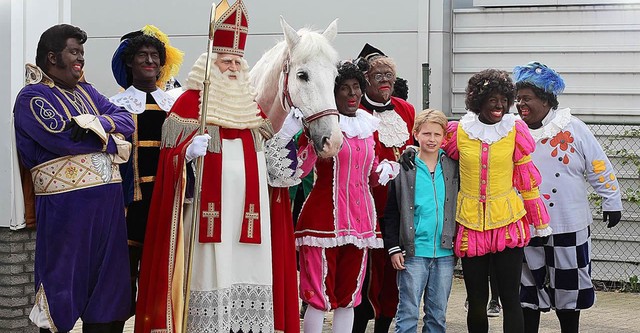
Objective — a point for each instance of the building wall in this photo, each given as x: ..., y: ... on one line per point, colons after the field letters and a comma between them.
x: 395, y: 32
x: 595, y: 48
x: 17, y: 250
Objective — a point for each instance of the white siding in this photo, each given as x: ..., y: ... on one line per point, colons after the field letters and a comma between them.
x: 594, y: 48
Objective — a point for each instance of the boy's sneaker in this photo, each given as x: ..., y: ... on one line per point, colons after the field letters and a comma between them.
x: 493, y: 310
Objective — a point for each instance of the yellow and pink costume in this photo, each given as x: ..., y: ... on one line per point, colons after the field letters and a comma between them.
x: 498, y: 199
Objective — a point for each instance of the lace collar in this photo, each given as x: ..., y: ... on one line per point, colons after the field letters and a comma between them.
x: 485, y: 132
x: 362, y: 125
x: 552, y: 124
x: 135, y: 101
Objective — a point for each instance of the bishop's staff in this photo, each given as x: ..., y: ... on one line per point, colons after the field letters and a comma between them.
x: 197, y: 190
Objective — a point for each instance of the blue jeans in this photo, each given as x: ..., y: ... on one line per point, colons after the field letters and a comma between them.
x: 431, y: 277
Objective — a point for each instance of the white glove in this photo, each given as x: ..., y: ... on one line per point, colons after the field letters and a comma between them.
x: 291, y: 126
x: 197, y: 147
x: 387, y: 171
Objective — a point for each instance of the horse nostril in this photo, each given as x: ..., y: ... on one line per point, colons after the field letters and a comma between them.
x: 325, y: 140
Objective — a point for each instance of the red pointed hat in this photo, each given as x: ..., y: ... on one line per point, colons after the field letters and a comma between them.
x: 230, y: 28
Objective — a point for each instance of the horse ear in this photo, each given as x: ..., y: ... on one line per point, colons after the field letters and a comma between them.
x: 331, y: 31
x: 290, y: 35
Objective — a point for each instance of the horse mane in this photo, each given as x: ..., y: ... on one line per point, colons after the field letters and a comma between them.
x: 265, y: 74
x: 313, y: 44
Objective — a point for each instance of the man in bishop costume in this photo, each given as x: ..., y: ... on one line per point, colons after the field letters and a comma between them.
x: 232, y: 276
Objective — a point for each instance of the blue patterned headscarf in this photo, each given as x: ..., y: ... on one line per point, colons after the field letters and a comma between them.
x: 541, y: 76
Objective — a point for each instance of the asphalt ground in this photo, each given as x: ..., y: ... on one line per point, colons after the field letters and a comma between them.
x: 614, y: 312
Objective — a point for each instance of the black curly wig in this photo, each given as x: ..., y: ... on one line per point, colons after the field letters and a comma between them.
x: 135, y: 43
x: 351, y: 70
x: 540, y: 93
x: 400, y: 88
x: 486, y: 83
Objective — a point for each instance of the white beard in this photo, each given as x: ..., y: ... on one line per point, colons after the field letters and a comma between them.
x: 231, y: 103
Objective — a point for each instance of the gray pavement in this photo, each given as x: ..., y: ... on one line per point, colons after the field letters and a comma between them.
x: 613, y: 313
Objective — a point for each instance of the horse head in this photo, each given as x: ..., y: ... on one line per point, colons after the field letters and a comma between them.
x: 304, y: 65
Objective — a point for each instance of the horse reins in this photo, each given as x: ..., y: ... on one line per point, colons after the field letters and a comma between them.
x: 287, y: 103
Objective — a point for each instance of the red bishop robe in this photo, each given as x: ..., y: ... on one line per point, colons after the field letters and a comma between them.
x: 232, y: 286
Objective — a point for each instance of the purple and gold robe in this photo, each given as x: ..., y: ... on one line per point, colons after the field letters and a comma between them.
x: 81, y: 263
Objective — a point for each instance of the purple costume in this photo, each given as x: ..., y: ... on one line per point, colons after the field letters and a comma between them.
x: 81, y: 263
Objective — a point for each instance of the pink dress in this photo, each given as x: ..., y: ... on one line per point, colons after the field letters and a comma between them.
x: 337, y: 224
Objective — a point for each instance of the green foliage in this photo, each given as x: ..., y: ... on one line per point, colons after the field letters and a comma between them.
x: 632, y: 195
x: 632, y: 286
x: 596, y: 201
x: 626, y: 155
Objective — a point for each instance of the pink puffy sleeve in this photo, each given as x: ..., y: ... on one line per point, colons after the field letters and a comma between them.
x: 526, y: 178
x: 450, y: 142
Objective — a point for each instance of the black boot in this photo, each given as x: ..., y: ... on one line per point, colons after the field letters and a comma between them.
x: 382, y: 324
x: 135, y: 254
x: 117, y: 326
x: 96, y: 328
x: 46, y: 330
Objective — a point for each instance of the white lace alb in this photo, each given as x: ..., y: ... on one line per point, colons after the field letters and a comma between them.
x: 242, y: 307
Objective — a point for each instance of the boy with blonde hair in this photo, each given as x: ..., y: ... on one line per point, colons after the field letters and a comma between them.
x: 419, y: 223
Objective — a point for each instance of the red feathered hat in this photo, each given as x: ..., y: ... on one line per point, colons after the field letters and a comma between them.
x: 230, y: 28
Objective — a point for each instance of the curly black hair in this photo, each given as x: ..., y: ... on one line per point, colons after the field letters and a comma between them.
x: 400, y: 88
x: 137, y: 42
x: 351, y: 70
x: 54, y: 40
x: 540, y: 93
x: 486, y: 83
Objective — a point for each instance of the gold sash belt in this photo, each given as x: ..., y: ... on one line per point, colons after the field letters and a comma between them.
x: 70, y: 173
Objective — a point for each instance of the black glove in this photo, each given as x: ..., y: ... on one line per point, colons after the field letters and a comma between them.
x: 408, y: 159
x: 77, y: 133
x: 613, y: 217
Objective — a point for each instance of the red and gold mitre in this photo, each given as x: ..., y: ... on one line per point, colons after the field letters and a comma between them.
x: 230, y: 28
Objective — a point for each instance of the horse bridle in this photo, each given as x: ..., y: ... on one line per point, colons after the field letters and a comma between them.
x: 287, y: 103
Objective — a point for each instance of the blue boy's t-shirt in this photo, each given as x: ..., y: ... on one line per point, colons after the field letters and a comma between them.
x: 428, y: 218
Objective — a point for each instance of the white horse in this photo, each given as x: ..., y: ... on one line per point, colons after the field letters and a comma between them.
x: 300, y: 71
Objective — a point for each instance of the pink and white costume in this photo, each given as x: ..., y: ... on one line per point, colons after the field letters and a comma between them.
x: 338, y: 220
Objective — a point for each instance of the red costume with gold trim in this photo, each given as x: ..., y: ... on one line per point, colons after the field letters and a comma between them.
x: 241, y: 279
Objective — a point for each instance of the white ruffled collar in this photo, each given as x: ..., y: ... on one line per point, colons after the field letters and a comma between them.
x: 485, y: 132
x: 552, y: 124
x: 135, y: 101
x: 362, y: 125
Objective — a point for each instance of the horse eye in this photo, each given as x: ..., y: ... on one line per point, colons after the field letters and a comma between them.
x: 303, y: 76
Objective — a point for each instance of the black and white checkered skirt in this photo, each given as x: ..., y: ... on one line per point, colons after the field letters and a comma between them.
x: 556, y: 272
